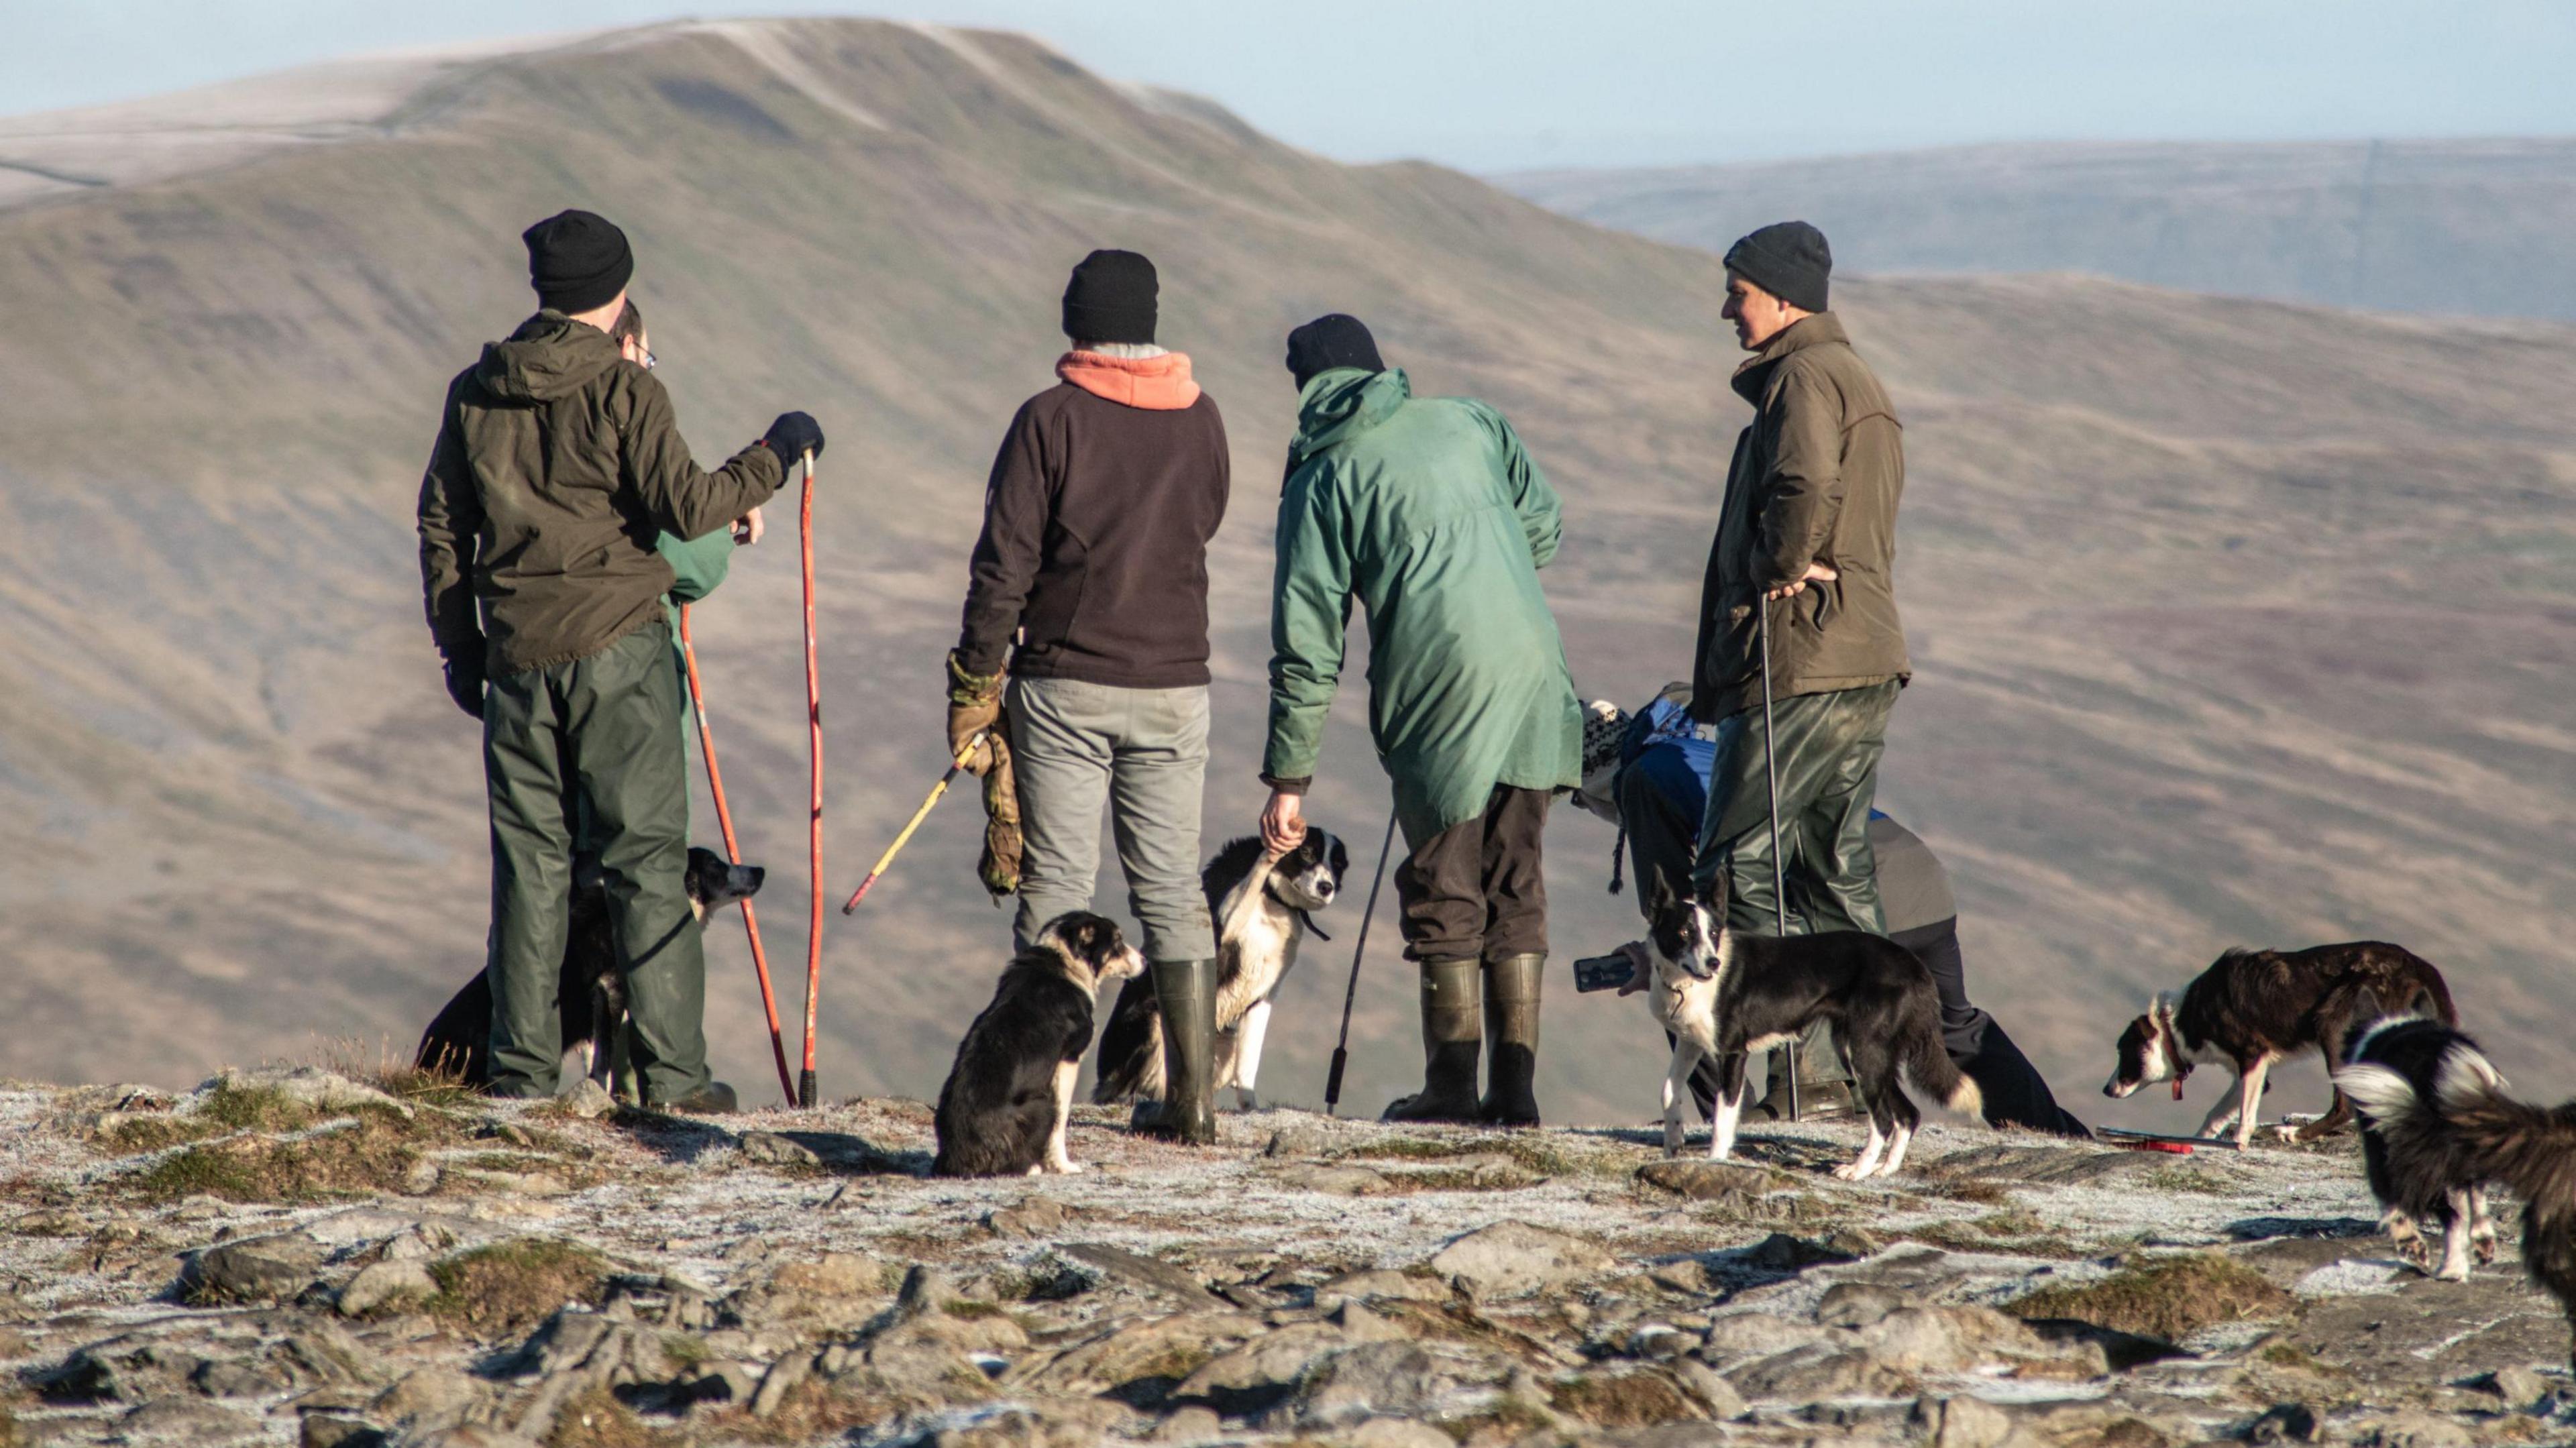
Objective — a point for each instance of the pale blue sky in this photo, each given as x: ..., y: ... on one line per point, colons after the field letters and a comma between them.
x: 1498, y: 84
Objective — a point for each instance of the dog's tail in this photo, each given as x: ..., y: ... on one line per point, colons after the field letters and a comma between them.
x: 1928, y: 1065
x: 1131, y: 1047
x: 2529, y: 1148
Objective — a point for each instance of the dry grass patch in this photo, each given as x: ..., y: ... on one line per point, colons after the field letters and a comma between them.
x: 2169, y: 1298
x: 226, y: 1109
x: 374, y: 1152
x: 506, y: 1288
x: 1623, y: 1400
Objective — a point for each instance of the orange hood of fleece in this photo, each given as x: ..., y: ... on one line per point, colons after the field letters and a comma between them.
x: 1157, y: 384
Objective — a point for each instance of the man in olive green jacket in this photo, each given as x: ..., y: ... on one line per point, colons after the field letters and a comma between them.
x: 1807, y: 534
x: 1430, y: 513
x: 558, y: 464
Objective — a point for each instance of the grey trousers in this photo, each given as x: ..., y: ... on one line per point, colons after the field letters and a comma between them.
x: 1142, y: 752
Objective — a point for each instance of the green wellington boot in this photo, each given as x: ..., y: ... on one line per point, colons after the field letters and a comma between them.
x: 1511, y: 1036
x: 1186, y: 992
x: 1453, y: 1035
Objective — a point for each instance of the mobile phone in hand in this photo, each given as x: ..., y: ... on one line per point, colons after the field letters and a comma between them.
x: 1602, y: 972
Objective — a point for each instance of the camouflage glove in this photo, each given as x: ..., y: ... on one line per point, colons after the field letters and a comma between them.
x: 1000, y: 867
x: 974, y: 707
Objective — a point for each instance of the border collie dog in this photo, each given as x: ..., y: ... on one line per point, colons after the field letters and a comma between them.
x: 1262, y: 914
x: 2254, y: 1008
x: 1722, y: 993
x: 2439, y: 1127
x: 590, y: 993
x: 1004, y: 1107
x: 2401, y: 1071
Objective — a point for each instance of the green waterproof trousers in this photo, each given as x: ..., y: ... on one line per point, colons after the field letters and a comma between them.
x: 1827, y: 748
x: 593, y: 736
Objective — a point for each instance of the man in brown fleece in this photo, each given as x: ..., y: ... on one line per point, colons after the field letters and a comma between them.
x: 1086, y: 627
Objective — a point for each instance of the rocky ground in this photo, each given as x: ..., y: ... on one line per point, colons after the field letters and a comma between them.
x: 332, y: 1259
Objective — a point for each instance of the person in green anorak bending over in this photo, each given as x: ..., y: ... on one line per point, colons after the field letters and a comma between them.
x: 1430, y: 513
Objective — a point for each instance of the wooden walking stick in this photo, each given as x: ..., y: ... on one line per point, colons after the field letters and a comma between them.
x: 733, y: 855
x: 1359, y: 952
x: 805, y: 1092
x: 938, y: 792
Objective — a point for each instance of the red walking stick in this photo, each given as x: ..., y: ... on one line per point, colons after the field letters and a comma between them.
x: 805, y: 1093
x: 733, y: 855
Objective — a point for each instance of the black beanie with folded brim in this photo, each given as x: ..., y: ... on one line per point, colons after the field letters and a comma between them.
x: 577, y: 261
x: 1110, y: 298
x: 1788, y: 259
x: 1332, y: 340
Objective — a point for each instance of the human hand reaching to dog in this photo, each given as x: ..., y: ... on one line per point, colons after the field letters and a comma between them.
x: 1283, y: 822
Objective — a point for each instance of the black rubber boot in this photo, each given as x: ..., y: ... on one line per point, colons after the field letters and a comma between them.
x: 1511, y: 1035
x: 1186, y: 992
x: 1453, y: 1035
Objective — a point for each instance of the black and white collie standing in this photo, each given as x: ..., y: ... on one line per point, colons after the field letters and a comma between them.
x: 2439, y: 1127
x: 590, y: 991
x: 1722, y: 993
x: 1007, y: 1099
x: 2400, y: 1070
x: 1261, y: 913
x: 2255, y: 1008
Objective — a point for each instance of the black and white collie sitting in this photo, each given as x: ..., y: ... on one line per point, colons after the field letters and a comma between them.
x: 2438, y: 1127
x: 1007, y: 1099
x: 2255, y: 1008
x: 590, y: 991
x: 1262, y: 915
x: 1722, y: 993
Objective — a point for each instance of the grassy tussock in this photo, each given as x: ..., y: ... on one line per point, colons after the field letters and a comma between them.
x: 2169, y: 1298
x: 375, y: 1152
x: 1623, y: 1400
x: 509, y: 1287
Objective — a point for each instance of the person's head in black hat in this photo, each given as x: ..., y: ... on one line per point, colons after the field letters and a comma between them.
x: 579, y: 263
x: 1774, y: 277
x: 1110, y: 299
x: 1332, y: 340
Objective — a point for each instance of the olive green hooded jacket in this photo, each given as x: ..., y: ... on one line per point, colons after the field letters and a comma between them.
x: 558, y: 464
x: 1430, y: 513
x: 1816, y: 479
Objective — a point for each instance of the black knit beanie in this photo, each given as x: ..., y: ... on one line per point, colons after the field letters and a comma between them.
x: 1110, y: 299
x: 1330, y: 341
x: 1788, y: 259
x: 577, y: 261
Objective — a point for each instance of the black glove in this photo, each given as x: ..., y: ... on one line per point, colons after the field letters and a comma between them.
x: 465, y: 686
x: 792, y: 436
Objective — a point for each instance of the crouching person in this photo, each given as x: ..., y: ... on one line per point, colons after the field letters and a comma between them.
x: 1094, y: 557
x: 558, y: 462
x: 1428, y: 511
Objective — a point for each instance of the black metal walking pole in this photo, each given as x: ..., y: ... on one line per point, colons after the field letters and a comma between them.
x: 1342, y: 1047
x: 1779, y: 876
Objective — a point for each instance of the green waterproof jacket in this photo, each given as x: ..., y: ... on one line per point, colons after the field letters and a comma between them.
x: 1431, y: 514
x: 1816, y: 479
x: 558, y: 464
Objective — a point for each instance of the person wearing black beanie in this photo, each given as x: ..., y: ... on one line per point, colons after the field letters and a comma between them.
x: 545, y: 601
x: 1806, y: 535
x: 1428, y: 513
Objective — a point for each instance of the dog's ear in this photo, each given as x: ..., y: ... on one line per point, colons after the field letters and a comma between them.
x: 2161, y: 1009
x: 1659, y: 895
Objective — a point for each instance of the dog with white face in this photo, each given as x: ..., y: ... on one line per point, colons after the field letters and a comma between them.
x: 1008, y: 1098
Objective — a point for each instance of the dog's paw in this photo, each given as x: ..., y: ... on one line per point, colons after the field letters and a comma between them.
x: 1067, y: 1168
x: 1850, y: 1171
x: 2284, y: 1131
x: 2452, y: 1272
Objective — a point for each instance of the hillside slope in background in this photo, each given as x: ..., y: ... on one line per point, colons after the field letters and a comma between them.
x: 2483, y: 227
x: 2234, y: 622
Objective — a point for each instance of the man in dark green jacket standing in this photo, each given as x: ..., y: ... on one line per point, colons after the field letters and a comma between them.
x: 1430, y: 513
x: 558, y: 464
x: 1807, y: 534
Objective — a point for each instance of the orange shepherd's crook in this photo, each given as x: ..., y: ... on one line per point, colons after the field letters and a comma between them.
x: 814, y: 724
x: 733, y: 855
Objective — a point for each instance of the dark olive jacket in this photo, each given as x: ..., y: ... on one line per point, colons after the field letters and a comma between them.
x: 558, y: 464
x: 1815, y: 479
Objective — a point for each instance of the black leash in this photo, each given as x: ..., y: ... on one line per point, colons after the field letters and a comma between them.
x: 1342, y: 1047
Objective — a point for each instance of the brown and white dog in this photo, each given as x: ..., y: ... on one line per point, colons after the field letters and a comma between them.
x: 1004, y: 1107
x: 2255, y: 1008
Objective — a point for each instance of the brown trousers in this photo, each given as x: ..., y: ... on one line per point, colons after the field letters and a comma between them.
x: 1474, y: 891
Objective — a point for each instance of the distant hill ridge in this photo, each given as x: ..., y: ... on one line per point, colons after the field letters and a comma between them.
x: 2474, y: 226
